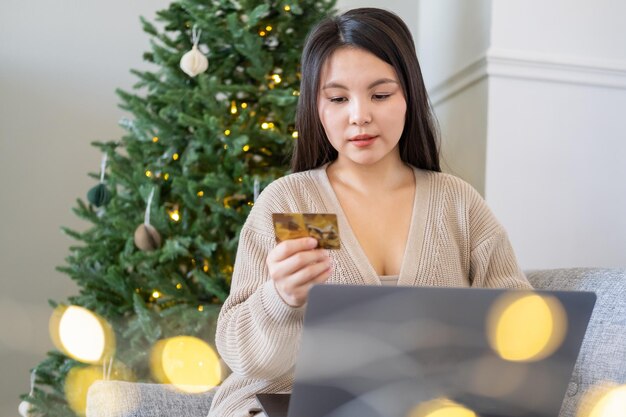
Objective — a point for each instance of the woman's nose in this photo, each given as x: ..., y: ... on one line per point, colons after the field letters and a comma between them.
x: 360, y: 113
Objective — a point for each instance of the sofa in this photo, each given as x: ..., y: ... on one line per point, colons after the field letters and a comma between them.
x: 602, y: 358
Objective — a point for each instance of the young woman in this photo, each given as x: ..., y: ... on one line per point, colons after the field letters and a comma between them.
x: 368, y: 152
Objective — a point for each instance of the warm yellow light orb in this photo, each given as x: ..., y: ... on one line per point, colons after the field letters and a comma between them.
x: 246, y: 148
x: 265, y: 125
x: 79, y: 380
x: 526, y: 327
x: 268, y: 28
x: 440, y: 407
x: 287, y: 8
x: 605, y: 402
x: 262, y: 33
x: 294, y: 135
x: 233, y: 107
x: 227, y: 132
x: 156, y: 294
x: 186, y: 362
x: 200, y: 193
x: 175, y: 157
x: 81, y: 334
x: 149, y: 174
x: 166, y: 176
x: 276, y: 78
x: 77, y: 384
x: 155, y: 139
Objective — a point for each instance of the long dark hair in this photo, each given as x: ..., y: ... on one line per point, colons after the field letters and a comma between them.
x: 385, y: 35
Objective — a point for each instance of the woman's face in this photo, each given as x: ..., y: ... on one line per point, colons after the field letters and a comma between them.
x: 361, y: 106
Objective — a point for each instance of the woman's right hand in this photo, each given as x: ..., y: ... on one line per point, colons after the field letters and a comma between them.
x: 295, y: 265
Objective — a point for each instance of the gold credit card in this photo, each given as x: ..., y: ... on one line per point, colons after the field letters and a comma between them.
x: 321, y: 226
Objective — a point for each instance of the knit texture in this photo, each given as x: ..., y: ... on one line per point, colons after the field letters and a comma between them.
x: 454, y: 241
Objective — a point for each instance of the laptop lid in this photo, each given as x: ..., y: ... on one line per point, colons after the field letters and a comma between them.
x: 372, y: 351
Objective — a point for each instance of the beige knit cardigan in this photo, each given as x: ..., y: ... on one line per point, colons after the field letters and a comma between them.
x: 454, y: 241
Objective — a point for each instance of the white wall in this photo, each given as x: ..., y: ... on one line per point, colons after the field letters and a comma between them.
x: 60, y: 63
x: 530, y: 97
x: 557, y: 132
x: 453, y: 37
x: 556, y: 171
x: 589, y: 29
x: 451, y: 34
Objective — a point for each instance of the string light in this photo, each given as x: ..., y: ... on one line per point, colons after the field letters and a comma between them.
x: 175, y: 157
x: 268, y: 28
x: 149, y: 174
x: 244, y: 105
x: 156, y: 294
x: 200, y: 308
x: 276, y: 78
x: 179, y: 286
x: 295, y: 93
x: 174, y: 214
x: 225, y: 146
x: 295, y: 135
x: 262, y: 33
x: 155, y: 139
x: 200, y: 194
x: 233, y: 107
x: 240, y: 179
x: 205, y: 266
x: 287, y: 8
x: 227, y: 132
x: 246, y: 148
x: 166, y: 176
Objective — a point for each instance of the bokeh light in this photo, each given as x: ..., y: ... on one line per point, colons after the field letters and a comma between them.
x: 441, y: 407
x: 186, y: 362
x: 80, y: 378
x: 604, y: 401
x: 526, y: 327
x: 81, y: 334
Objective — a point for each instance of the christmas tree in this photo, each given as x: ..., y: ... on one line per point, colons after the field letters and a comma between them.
x: 174, y: 191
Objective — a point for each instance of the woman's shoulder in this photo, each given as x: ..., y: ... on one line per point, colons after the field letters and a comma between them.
x: 288, y: 194
x: 287, y: 189
x: 445, y: 185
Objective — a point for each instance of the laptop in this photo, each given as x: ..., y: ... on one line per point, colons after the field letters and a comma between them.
x: 372, y: 351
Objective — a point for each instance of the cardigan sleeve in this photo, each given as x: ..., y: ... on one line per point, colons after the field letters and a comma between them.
x: 257, y: 332
x: 492, y: 261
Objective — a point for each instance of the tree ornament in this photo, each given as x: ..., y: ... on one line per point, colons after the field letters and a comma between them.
x: 25, y: 408
x: 147, y: 238
x: 194, y: 62
x: 100, y: 195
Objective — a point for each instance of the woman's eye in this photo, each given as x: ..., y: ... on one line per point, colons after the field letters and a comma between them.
x: 337, y: 99
x: 380, y: 96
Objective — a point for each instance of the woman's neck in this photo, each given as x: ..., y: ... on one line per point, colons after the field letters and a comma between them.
x: 384, y: 176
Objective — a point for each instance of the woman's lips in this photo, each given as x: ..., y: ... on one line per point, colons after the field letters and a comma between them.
x: 362, y: 140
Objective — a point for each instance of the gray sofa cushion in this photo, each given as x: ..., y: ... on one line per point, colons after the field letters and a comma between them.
x: 602, y: 357
x: 126, y: 399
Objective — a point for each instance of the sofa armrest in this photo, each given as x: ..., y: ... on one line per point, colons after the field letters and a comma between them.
x: 126, y: 399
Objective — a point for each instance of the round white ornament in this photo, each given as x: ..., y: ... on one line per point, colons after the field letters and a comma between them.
x: 194, y: 62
